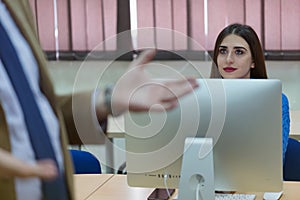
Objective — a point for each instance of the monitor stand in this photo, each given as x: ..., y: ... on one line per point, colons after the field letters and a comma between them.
x: 197, y: 171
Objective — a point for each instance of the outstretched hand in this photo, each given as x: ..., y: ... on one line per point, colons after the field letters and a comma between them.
x: 136, y: 91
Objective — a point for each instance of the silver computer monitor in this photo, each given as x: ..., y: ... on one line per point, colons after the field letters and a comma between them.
x: 243, y: 116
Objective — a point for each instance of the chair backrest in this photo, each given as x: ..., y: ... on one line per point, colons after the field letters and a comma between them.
x: 291, y: 167
x: 85, y: 162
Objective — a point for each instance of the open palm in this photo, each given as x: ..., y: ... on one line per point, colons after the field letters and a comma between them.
x: 136, y: 91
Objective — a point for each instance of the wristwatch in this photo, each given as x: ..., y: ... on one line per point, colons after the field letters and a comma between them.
x: 107, y: 98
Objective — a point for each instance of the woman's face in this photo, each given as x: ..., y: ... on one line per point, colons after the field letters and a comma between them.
x: 234, y: 58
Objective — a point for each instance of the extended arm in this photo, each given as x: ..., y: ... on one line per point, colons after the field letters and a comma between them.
x: 136, y: 91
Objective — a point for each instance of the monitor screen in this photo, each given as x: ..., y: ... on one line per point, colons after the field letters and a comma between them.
x: 242, y: 116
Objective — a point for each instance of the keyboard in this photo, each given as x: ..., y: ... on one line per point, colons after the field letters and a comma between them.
x: 235, y: 196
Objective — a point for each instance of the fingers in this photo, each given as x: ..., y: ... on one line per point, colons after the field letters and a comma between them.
x: 193, y: 82
x: 170, y: 92
x: 170, y: 105
x: 179, y: 88
x: 46, y: 169
x: 166, y: 105
x: 145, y: 57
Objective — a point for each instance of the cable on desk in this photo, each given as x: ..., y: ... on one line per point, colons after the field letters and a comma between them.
x: 166, y: 185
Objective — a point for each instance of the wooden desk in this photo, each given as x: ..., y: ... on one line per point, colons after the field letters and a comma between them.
x: 290, y: 191
x: 114, y: 187
x: 117, y: 189
x: 87, y: 184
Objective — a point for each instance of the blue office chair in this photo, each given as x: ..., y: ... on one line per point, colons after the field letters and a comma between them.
x: 291, y: 167
x: 85, y: 162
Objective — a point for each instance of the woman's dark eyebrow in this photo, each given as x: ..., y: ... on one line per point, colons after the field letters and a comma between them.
x: 240, y: 47
x: 235, y: 47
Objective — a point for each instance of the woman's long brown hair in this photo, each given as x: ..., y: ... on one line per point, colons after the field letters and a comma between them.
x: 250, y: 36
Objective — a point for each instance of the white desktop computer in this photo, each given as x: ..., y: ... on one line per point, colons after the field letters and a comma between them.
x: 243, y: 118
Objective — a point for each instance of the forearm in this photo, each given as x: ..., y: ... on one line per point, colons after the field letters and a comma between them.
x: 82, y: 117
x: 11, y: 166
x: 107, y: 104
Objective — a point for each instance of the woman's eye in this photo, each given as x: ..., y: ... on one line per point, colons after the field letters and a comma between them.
x: 239, y: 52
x: 222, y: 51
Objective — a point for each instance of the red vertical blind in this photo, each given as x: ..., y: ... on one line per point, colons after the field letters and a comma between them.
x: 206, y: 18
x: 170, y: 19
x: 202, y: 20
x: 273, y: 24
x: 290, y: 24
x: 196, y: 24
x: 282, y: 30
x: 45, y: 21
x: 63, y: 25
x: 78, y: 25
x: 163, y: 19
x: 44, y: 12
x: 221, y: 14
x: 110, y: 24
x: 84, y: 24
x: 145, y: 20
x: 94, y: 20
x: 94, y: 24
x: 253, y: 15
x: 180, y: 24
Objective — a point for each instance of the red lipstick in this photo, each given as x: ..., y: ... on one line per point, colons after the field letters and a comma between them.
x: 229, y: 69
